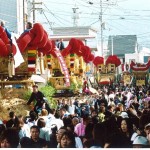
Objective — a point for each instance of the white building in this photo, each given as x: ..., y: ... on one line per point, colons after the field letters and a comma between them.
x: 13, y: 12
x: 141, y: 57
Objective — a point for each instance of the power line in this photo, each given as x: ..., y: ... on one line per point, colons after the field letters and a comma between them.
x: 55, y: 15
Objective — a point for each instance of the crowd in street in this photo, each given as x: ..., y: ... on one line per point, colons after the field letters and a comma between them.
x: 115, y: 117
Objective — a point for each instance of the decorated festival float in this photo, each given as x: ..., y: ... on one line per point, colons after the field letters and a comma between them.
x: 140, y: 73
x: 38, y: 53
x: 67, y: 67
x: 68, y: 70
x: 106, y: 71
x: 126, y: 76
x: 33, y: 53
x: 135, y: 74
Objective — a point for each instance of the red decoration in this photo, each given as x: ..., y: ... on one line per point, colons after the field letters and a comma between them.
x: 38, y: 32
x: 98, y: 60
x: 3, y: 49
x: 3, y: 35
x: 11, y: 49
x: 47, y: 48
x: 91, y: 57
x: 75, y: 45
x: 113, y: 60
x: 43, y: 41
x: 24, y: 41
x: 136, y: 67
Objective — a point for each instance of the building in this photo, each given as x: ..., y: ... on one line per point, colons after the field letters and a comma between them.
x: 122, y: 44
x: 13, y: 12
x: 85, y: 33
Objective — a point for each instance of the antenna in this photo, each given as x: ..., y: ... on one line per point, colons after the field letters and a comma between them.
x: 75, y: 16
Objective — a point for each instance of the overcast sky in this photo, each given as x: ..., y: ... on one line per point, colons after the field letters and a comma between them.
x: 121, y: 17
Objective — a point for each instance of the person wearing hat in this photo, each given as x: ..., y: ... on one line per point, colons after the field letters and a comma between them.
x: 147, y: 131
x: 39, y: 97
x: 140, y: 142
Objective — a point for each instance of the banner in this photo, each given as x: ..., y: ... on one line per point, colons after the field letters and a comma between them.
x: 18, y: 57
x: 63, y: 66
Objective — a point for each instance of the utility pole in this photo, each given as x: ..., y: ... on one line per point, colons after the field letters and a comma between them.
x: 112, y: 45
x: 101, y: 25
x: 35, y: 8
x: 75, y: 16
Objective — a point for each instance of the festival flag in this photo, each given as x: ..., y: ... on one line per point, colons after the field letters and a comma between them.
x: 18, y: 57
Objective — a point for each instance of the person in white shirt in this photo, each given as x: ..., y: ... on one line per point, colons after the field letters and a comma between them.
x: 56, y: 121
x: 71, y: 107
x: 44, y: 132
x: 24, y: 128
x: 32, y: 120
x: 44, y: 115
x: 64, y: 113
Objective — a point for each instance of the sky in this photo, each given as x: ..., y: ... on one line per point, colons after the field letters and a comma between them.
x: 120, y: 17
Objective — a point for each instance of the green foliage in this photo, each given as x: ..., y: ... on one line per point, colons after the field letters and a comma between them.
x: 72, y: 87
x: 75, y: 87
x: 26, y: 95
x: 48, y: 92
x: 80, y: 85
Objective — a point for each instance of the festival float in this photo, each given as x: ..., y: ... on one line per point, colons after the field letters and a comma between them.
x: 105, y: 72
x: 140, y: 72
x: 39, y: 52
x: 126, y: 77
x: 10, y: 71
x: 67, y: 67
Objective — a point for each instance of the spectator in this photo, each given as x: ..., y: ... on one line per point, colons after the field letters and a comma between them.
x: 64, y: 112
x: 71, y: 107
x: 60, y: 45
x: 80, y: 127
x: 6, y: 30
x: 25, y: 142
x: 59, y: 135
x: 75, y: 121
x: 28, y: 27
x: 53, y: 138
x: 9, y: 138
x: 44, y: 132
x: 127, y: 130
x: 77, y: 139
x: 24, y: 129
x: 141, y: 142
x: 67, y: 140
x: 36, y: 141
x: 147, y: 131
x: 32, y: 120
x: 13, y: 121
x: 2, y: 127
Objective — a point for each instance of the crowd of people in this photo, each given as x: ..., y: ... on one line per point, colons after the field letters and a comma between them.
x: 115, y: 117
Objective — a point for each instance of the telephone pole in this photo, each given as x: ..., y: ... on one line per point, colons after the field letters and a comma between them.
x: 75, y: 16
x: 101, y: 25
x: 34, y: 8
